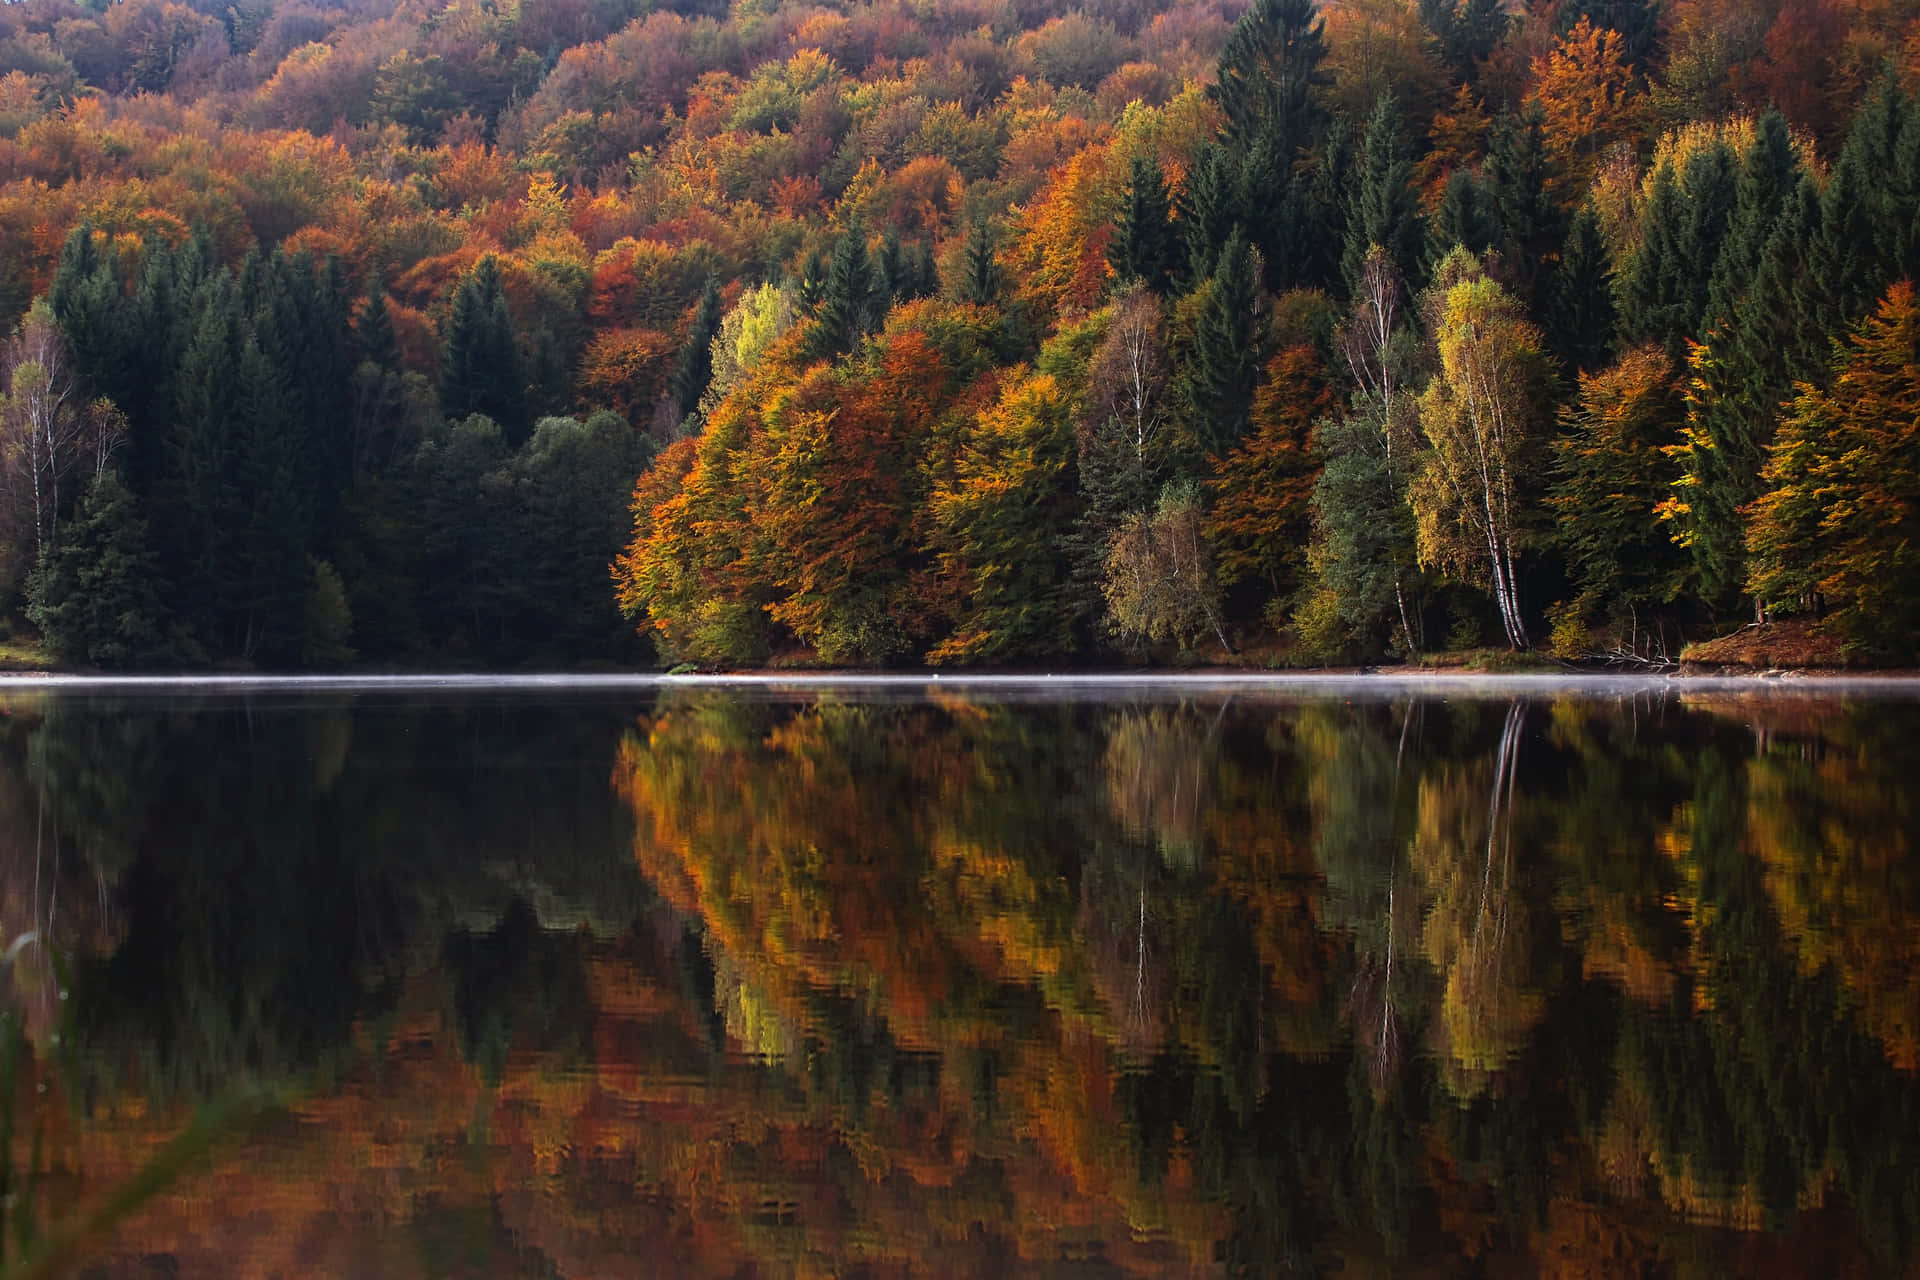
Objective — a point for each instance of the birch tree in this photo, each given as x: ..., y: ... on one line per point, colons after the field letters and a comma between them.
x: 50, y: 434
x: 1478, y: 415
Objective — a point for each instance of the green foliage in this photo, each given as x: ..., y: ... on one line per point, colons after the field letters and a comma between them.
x: 1612, y: 468
x: 329, y: 620
x: 1382, y: 206
x: 1664, y: 285
x: 1144, y: 246
x: 99, y: 599
x: 694, y: 370
x: 1363, y: 528
x: 979, y: 273
x: 1580, y: 318
x: 1000, y: 520
x: 1159, y: 585
x: 1224, y: 363
x: 481, y: 369
x: 1840, y: 520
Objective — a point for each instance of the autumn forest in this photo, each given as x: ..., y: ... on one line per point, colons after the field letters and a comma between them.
x: 507, y: 333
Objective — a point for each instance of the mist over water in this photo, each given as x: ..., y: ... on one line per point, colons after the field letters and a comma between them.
x: 1021, y: 975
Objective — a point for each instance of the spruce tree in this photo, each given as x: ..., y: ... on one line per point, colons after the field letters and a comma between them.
x: 481, y: 369
x: 1528, y: 222
x: 1382, y: 206
x: 1769, y: 172
x: 1580, y: 320
x: 1224, y: 362
x: 695, y: 367
x: 99, y: 598
x: 851, y: 306
x: 1144, y: 246
x: 1268, y: 72
x: 1663, y: 289
x: 1861, y: 225
x: 1210, y: 209
x: 1771, y: 340
x: 979, y: 273
x: 1467, y: 33
x: 1465, y: 218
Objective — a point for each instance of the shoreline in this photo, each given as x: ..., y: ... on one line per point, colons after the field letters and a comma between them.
x: 1220, y: 679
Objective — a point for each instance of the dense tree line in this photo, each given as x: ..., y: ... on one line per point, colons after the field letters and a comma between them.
x: 1368, y: 326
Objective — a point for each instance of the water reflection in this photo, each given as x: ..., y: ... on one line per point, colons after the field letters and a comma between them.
x: 826, y: 983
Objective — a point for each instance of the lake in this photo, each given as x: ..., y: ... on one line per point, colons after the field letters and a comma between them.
x: 1040, y: 977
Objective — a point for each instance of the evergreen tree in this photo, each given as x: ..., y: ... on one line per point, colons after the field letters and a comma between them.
x: 1740, y: 379
x: 99, y: 598
x: 1144, y: 246
x: 1861, y: 228
x: 1528, y: 222
x: 1465, y: 218
x: 1382, y: 206
x: 979, y: 273
x: 1210, y: 209
x: 1769, y: 172
x: 1842, y: 517
x: 1663, y: 290
x: 1224, y: 363
x: 1468, y: 31
x: 1580, y: 320
x: 695, y: 367
x: 481, y: 370
x: 851, y: 304
x: 1611, y: 470
x: 1268, y: 72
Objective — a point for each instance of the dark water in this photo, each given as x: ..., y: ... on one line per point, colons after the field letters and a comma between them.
x: 971, y: 981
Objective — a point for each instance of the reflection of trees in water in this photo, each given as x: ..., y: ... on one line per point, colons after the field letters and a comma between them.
x: 964, y: 966
x: 1476, y: 926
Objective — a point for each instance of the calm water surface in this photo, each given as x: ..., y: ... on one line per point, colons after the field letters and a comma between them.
x: 960, y: 980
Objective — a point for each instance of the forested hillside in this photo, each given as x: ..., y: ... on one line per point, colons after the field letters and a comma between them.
x: 589, y: 331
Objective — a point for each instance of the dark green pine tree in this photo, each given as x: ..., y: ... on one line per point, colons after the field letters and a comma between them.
x: 1771, y: 340
x: 1580, y: 320
x: 301, y: 323
x: 851, y: 307
x: 99, y: 598
x: 232, y: 525
x: 1529, y: 225
x: 1903, y: 191
x: 1269, y: 71
x: 1382, y: 206
x: 1210, y: 209
x: 1769, y: 172
x: 1465, y: 218
x: 481, y: 370
x: 695, y: 367
x: 922, y: 273
x: 1144, y: 246
x: 889, y: 265
x: 1224, y: 363
x: 90, y: 304
x: 979, y: 273
x: 1663, y: 289
x: 1467, y: 33
x: 1862, y: 226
